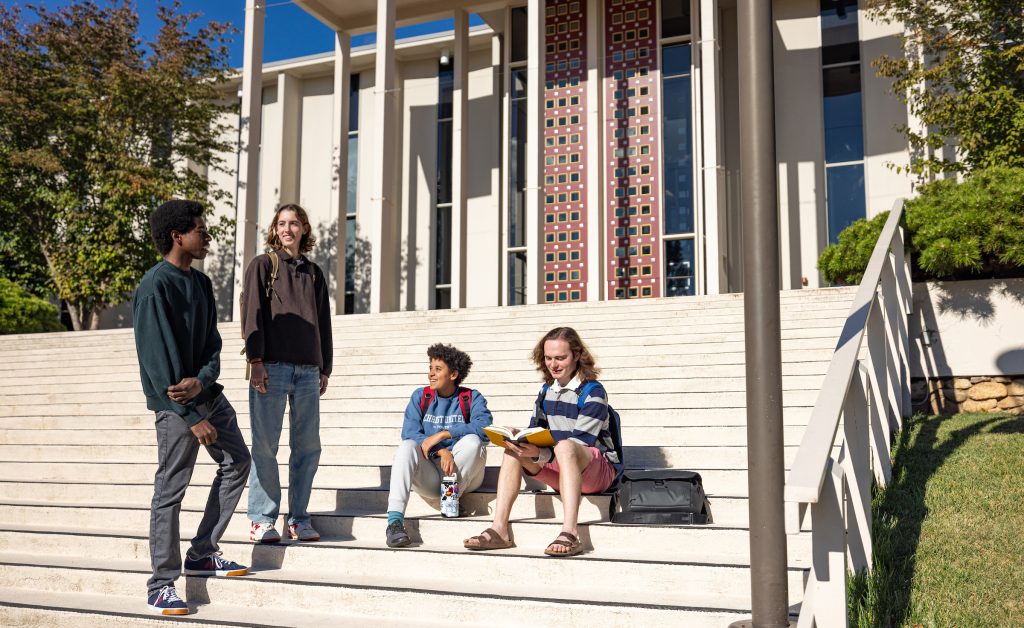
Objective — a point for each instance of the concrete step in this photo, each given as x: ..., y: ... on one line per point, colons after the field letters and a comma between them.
x: 678, y: 543
x: 414, y: 376
x: 660, y: 417
x: 622, y: 403
x: 654, y: 457
x: 641, y: 582
x: 380, y: 604
x: 339, y: 436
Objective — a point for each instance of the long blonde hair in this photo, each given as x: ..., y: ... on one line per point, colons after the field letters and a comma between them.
x: 305, y: 243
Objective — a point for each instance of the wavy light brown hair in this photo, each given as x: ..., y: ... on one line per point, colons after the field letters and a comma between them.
x: 307, y: 241
x: 586, y: 365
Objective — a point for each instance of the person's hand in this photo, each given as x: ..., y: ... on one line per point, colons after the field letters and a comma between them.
x: 447, y: 462
x: 258, y: 377
x: 185, y: 390
x: 523, y: 450
x: 430, y: 441
x: 323, y: 384
x: 204, y: 432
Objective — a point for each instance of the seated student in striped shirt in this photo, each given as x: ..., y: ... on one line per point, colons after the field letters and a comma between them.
x: 583, y: 458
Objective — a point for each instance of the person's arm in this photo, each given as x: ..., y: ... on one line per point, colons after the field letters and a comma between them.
x: 323, y: 312
x: 479, y: 418
x: 158, y: 352
x: 255, y: 303
x: 210, y: 369
x: 412, y: 426
x: 539, y: 419
x: 591, y: 418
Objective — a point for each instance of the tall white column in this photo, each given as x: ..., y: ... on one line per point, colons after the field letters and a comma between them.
x: 339, y: 158
x: 534, y: 146
x: 289, y: 104
x: 384, y: 239
x: 712, y: 169
x: 460, y: 158
x: 246, y: 216
x: 595, y: 214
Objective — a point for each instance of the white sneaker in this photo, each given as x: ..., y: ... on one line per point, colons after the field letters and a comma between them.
x: 303, y: 531
x: 263, y: 532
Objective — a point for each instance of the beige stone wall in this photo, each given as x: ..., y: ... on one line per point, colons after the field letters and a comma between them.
x: 948, y: 395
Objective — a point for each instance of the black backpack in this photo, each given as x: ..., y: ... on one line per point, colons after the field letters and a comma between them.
x: 661, y: 496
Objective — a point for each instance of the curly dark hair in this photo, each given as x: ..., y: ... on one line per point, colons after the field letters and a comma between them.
x: 174, y: 215
x: 586, y: 365
x: 454, y: 359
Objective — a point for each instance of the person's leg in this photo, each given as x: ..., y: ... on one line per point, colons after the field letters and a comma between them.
x: 233, y: 462
x: 573, y: 458
x: 176, y: 448
x: 407, y: 459
x: 427, y: 480
x: 470, y: 459
x: 509, y: 480
x: 304, y: 440
x: 266, y: 415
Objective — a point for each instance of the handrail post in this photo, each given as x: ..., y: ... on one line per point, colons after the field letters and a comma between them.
x: 762, y: 325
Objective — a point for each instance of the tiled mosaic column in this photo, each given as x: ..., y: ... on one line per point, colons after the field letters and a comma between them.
x: 631, y: 150
x: 564, y: 219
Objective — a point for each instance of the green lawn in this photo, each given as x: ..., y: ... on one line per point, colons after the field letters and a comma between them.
x: 949, y: 528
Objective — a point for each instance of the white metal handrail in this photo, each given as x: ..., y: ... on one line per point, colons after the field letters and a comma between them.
x: 867, y: 389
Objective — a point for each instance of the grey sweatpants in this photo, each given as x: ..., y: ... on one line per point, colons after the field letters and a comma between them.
x: 410, y: 471
x: 177, y: 448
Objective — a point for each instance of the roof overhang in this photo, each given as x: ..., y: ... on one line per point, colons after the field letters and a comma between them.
x: 359, y: 16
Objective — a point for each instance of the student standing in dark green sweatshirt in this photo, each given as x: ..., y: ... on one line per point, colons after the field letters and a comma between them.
x: 179, y: 361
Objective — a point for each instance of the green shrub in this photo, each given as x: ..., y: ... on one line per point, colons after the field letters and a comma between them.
x: 24, y: 313
x: 967, y: 230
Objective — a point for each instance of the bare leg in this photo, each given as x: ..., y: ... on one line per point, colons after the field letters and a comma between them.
x: 573, y: 459
x: 509, y: 479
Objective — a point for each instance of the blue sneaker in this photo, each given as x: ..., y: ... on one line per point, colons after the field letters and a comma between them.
x: 166, y: 602
x: 213, y: 565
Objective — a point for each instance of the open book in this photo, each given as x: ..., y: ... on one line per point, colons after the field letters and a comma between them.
x: 539, y: 436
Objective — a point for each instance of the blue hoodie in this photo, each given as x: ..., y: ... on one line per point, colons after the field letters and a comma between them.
x: 444, y: 413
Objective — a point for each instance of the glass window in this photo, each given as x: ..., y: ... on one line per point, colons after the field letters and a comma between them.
x: 839, y: 33
x: 679, y: 268
x: 678, y: 141
x: 675, y: 18
x: 353, y: 103
x: 518, y: 34
x: 845, y: 196
x: 350, y: 262
x: 844, y: 137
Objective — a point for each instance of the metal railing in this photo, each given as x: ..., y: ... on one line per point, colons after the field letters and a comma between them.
x: 867, y: 392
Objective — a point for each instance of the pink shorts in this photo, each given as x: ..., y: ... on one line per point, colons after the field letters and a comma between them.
x: 597, y: 477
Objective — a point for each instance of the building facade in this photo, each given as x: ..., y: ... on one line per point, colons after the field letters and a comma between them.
x: 567, y: 150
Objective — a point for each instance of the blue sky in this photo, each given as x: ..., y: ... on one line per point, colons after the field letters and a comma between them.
x: 290, y: 31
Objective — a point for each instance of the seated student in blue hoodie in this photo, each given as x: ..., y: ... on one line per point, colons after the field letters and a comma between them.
x: 438, y: 438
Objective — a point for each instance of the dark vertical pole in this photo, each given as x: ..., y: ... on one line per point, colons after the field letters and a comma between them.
x: 769, y: 591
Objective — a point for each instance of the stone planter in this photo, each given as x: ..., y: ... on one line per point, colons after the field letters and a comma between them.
x: 950, y: 395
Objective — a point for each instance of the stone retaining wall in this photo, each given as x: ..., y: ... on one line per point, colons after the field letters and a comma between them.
x: 949, y: 395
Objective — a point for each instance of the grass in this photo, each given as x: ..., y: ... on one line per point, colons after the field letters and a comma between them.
x: 949, y: 528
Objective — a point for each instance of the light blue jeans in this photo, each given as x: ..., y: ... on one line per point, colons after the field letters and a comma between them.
x: 299, y: 385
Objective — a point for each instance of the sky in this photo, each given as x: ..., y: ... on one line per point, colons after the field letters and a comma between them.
x: 289, y: 31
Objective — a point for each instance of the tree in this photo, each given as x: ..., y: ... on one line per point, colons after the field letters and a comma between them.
x: 95, y: 131
x: 962, y: 76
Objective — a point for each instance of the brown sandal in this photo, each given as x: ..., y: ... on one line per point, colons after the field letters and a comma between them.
x: 565, y: 539
x: 492, y: 541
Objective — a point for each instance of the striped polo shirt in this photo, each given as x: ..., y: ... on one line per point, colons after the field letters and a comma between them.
x: 561, y: 414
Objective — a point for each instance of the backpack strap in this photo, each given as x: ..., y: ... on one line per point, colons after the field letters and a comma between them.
x: 275, y: 267
x: 428, y: 396
x: 584, y: 391
x: 465, y: 402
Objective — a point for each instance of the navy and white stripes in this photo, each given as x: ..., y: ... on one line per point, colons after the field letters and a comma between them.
x: 587, y: 425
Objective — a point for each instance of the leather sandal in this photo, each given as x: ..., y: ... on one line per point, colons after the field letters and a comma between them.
x: 567, y: 540
x: 489, y: 539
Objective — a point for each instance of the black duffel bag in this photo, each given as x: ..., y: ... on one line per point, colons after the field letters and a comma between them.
x: 661, y: 496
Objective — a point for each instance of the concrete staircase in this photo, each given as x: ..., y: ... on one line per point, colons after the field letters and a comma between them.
x: 77, y: 456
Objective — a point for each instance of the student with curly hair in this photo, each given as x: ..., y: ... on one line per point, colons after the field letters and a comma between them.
x: 583, y: 460
x: 438, y: 439
x: 288, y: 345
x: 179, y: 361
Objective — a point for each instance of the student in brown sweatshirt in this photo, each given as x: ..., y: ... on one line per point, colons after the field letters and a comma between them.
x: 289, y: 345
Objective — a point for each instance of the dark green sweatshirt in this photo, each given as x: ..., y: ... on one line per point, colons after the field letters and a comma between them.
x: 176, y: 336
